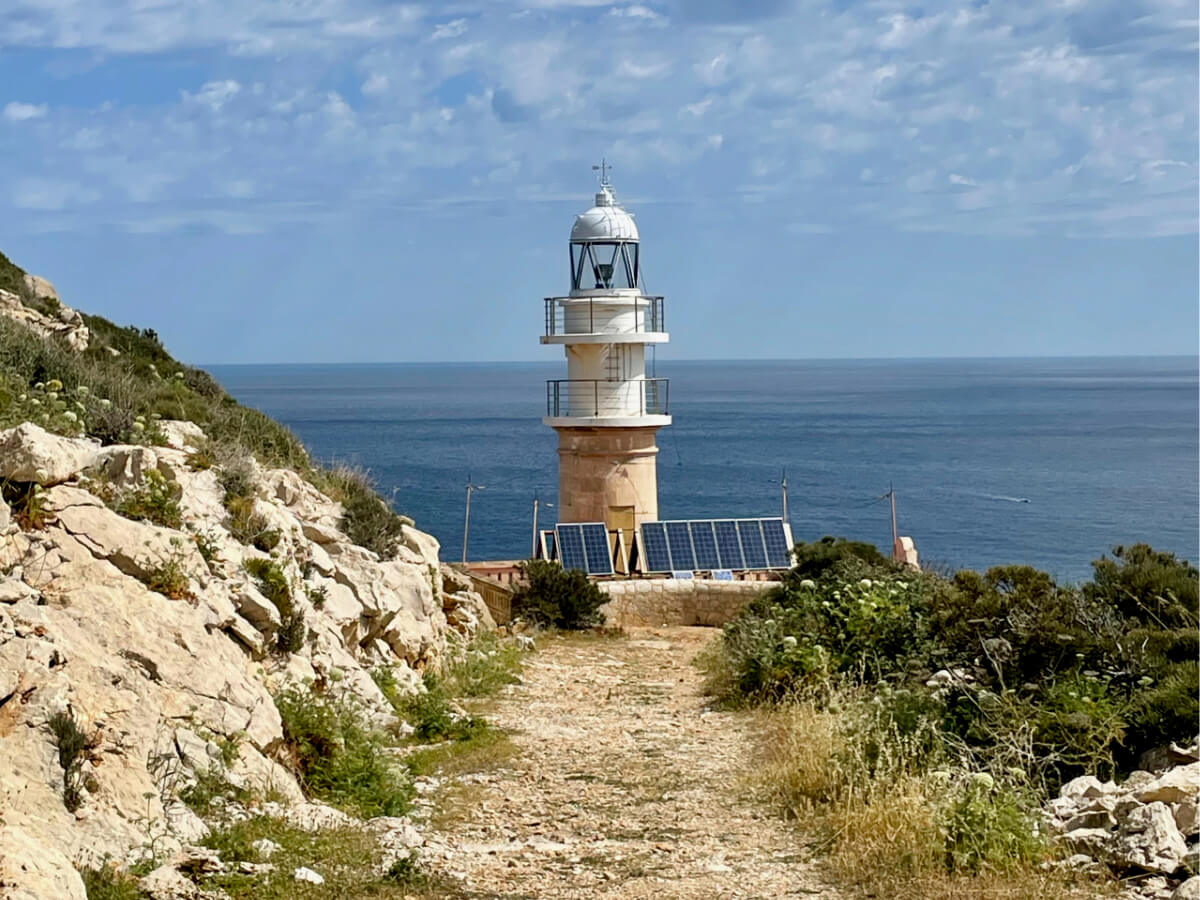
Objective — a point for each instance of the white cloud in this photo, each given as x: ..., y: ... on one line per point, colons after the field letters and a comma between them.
x: 215, y: 94
x: 21, y: 112
x: 375, y: 84
x: 962, y: 180
x: 451, y: 29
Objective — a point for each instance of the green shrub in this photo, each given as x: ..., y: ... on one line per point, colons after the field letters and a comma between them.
x: 430, y: 714
x: 486, y: 666
x: 990, y: 827
x: 274, y: 586
x: 71, y: 742
x: 553, y: 596
x: 339, y: 757
x: 169, y: 577
x: 367, y: 519
x: 155, y: 499
x: 107, y: 882
x: 816, y: 559
x: 209, y: 786
x: 12, y: 276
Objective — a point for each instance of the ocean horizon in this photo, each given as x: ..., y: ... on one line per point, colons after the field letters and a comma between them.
x: 1049, y: 461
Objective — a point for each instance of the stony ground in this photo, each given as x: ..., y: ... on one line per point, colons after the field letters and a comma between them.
x: 623, y: 784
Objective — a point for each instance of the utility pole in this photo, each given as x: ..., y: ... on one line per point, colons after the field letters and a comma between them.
x: 895, y: 536
x: 471, y: 487
x: 786, y: 518
x: 536, y: 505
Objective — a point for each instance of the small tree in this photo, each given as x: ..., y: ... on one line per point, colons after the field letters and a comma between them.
x: 562, y: 598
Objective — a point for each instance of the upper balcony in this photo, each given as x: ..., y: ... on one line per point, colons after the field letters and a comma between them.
x: 605, y: 319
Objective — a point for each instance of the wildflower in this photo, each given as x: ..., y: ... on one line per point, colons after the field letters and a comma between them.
x: 1016, y: 773
x: 35, y: 402
x: 51, y: 395
x: 41, y: 385
x: 70, y: 416
x: 82, y: 390
x: 1145, y: 681
x: 983, y: 780
x: 105, y: 403
x: 139, y: 426
x: 789, y: 643
x: 865, y: 583
x: 41, y: 475
x: 54, y: 385
x: 22, y: 397
x: 940, y: 775
x: 808, y: 584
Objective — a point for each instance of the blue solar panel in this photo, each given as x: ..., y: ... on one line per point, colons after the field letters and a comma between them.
x: 656, y: 556
x: 705, y: 544
x: 679, y: 540
x: 570, y: 547
x: 750, y: 531
x: 595, y: 548
x: 728, y: 546
x: 776, y: 541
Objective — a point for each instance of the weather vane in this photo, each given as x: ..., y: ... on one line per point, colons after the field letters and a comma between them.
x: 604, y: 168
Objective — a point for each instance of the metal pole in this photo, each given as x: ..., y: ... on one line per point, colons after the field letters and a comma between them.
x: 786, y: 517
x: 895, y: 536
x: 467, y: 521
x: 534, y: 553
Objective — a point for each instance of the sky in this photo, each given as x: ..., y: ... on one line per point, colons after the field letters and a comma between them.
x: 368, y: 181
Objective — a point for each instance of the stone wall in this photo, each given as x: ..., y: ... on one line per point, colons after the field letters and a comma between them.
x: 670, y: 601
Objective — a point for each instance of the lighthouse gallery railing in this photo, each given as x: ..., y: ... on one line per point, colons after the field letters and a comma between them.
x: 587, y: 397
x: 604, y: 315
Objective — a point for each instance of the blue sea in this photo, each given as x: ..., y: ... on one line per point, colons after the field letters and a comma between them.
x: 1050, y: 462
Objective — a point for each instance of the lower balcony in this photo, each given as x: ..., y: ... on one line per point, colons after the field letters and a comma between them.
x: 630, y: 403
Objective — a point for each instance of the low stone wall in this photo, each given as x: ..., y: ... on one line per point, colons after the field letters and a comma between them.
x: 670, y: 601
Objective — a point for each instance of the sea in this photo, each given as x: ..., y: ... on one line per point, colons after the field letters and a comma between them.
x: 1049, y: 462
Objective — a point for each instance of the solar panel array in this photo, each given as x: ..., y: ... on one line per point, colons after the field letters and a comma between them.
x: 584, y: 546
x: 710, y: 544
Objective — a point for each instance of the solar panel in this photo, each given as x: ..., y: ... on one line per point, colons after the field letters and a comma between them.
x: 729, y: 547
x: 753, y: 550
x: 679, y: 541
x: 570, y: 547
x: 705, y: 544
x: 595, y: 549
x: 776, y: 541
x: 654, y: 547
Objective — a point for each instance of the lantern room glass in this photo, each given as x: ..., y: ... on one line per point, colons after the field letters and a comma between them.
x: 604, y: 265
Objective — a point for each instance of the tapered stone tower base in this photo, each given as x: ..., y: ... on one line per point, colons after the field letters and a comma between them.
x: 608, y: 475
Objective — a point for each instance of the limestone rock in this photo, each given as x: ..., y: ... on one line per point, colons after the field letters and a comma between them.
x: 30, y: 870
x: 307, y: 875
x: 1189, y: 890
x: 181, y: 435
x: 168, y: 883
x: 1148, y: 839
x: 1173, y: 786
x: 30, y: 453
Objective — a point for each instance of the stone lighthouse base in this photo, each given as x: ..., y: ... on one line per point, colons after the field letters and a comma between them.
x: 608, y: 475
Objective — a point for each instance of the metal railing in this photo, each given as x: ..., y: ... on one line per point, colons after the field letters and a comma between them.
x: 604, y: 315
x: 587, y: 397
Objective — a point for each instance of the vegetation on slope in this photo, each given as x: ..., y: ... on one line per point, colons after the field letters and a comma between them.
x: 949, y: 709
x: 126, y: 381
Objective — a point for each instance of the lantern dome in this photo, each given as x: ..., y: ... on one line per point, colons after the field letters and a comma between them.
x: 606, y: 221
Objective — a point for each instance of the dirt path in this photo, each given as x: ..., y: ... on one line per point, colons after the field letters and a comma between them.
x: 624, y: 784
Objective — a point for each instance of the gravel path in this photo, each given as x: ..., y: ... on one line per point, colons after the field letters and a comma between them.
x: 624, y: 784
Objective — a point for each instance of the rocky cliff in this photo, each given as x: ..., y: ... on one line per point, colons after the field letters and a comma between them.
x: 156, y: 595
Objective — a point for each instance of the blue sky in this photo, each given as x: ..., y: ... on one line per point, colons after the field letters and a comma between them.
x: 361, y: 180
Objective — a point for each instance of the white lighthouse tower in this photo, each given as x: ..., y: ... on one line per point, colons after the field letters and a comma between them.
x: 607, y: 412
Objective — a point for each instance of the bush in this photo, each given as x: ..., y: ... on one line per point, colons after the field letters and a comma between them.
x: 107, y: 882
x: 553, y: 596
x: 430, y: 714
x: 169, y: 577
x: 367, y: 519
x: 339, y: 757
x: 274, y: 585
x: 154, y: 500
x: 71, y: 741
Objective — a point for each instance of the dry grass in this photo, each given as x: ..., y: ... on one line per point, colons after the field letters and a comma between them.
x: 883, y: 836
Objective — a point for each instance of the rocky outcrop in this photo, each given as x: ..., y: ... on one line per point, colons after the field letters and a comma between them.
x: 1147, y: 826
x: 60, y: 321
x: 161, y: 648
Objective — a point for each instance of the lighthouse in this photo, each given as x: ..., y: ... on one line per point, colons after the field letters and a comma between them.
x: 607, y: 411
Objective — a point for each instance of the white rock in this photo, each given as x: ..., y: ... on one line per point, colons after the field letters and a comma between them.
x: 181, y: 435
x: 1173, y: 786
x: 30, y: 453
x: 308, y: 875
x: 1087, y: 786
x: 1189, y: 890
x: 168, y: 883
x: 1187, y: 817
x: 30, y: 869
x: 265, y: 847
x: 1148, y: 839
